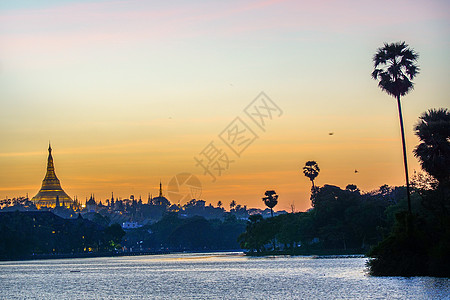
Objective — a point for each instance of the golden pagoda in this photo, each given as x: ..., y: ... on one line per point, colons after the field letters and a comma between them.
x: 51, y: 194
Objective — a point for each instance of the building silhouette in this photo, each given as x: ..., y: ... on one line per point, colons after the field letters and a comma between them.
x: 51, y: 194
x: 160, y: 200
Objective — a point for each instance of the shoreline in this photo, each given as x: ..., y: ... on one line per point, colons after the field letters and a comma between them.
x: 317, y: 253
x: 84, y: 255
x: 107, y: 254
x: 312, y: 254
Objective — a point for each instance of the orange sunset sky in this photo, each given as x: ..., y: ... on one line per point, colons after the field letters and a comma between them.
x: 129, y: 92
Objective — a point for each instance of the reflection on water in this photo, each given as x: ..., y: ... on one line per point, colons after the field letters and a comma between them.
x: 209, y: 276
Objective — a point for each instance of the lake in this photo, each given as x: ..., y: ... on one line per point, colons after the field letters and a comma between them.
x: 208, y: 276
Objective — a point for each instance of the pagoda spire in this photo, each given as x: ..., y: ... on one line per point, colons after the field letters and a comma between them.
x: 50, y: 176
x: 160, y: 189
x: 51, y: 187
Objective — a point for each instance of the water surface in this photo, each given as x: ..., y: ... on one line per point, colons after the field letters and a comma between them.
x: 209, y: 276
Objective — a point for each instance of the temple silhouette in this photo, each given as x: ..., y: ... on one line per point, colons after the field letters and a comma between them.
x: 160, y: 200
x: 51, y: 194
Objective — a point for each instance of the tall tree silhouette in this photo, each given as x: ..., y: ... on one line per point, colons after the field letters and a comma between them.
x: 232, y: 204
x: 270, y: 200
x: 311, y: 170
x: 395, y: 68
x: 433, y: 152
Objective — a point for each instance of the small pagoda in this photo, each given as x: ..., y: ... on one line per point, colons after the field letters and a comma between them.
x: 51, y: 194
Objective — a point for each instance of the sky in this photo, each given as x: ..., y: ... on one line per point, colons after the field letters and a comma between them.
x: 131, y: 93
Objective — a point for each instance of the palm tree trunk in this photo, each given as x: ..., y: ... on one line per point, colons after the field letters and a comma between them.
x: 405, y: 161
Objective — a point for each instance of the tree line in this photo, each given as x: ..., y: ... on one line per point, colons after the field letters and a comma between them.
x: 174, y: 233
x: 30, y: 234
x: 341, y: 221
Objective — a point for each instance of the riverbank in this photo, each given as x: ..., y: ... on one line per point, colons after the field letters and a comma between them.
x: 317, y: 252
x: 110, y: 254
x: 86, y: 255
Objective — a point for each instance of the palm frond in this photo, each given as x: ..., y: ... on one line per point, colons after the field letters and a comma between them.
x: 375, y: 73
x: 394, y: 67
x: 433, y: 129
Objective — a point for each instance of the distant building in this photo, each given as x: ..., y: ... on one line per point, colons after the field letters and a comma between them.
x: 91, y: 206
x: 131, y: 225
x: 160, y: 200
x: 51, y: 194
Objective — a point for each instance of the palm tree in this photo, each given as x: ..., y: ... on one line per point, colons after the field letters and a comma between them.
x: 311, y: 170
x: 433, y: 129
x: 395, y: 69
x: 270, y: 200
x: 219, y: 204
x: 232, y: 204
